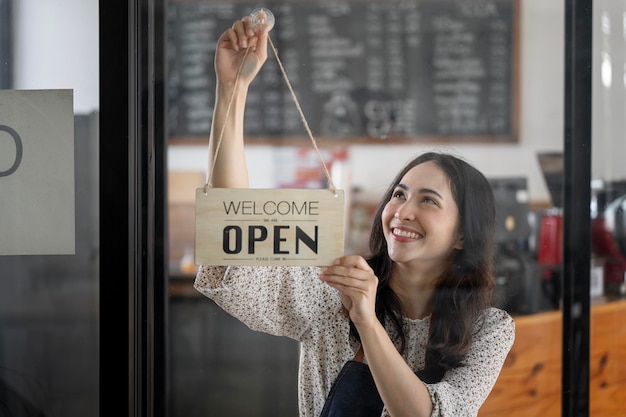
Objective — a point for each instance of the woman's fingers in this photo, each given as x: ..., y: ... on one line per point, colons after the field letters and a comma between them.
x: 241, y: 53
x: 241, y: 34
x: 349, y: 271
x: 357, y: 285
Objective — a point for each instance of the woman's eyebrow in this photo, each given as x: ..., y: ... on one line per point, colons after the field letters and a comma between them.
x: 421, y: 190
x: 430, y: 191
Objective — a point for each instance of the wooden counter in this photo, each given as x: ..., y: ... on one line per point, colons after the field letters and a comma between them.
x: 530, y: 382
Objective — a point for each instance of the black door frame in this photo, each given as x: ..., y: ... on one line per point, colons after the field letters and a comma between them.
x: 576, y: 208
x: 133, y: 261
x: 133, y: 221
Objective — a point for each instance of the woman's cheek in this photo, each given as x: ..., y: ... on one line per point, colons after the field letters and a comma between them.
x: 386, y: 217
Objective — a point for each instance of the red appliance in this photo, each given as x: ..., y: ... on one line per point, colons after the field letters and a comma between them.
x: 550, y: 246
x: 550, y: 240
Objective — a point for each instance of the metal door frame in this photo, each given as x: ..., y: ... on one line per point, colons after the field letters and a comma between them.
x: 133, y: 274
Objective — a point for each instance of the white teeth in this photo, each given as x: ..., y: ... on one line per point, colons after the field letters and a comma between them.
x: 404, y: 233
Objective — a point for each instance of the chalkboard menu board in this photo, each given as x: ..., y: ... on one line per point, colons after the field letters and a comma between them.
x: 363, y: 71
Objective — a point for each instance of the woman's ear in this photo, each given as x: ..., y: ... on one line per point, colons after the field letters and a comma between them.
x: 459, y: 243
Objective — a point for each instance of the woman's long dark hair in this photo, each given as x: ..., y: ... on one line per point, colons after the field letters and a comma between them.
x: 465, y: 289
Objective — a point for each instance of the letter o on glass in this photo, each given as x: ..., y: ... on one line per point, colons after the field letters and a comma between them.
x: 18, y: 151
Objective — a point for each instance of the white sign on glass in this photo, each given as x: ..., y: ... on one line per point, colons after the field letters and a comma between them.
x: 37, y: 211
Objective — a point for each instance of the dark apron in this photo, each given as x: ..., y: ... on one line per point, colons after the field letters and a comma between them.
x: 354, y: 393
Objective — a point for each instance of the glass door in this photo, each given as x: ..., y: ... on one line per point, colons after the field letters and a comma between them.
x: 49, y: 213
x: 541, y: 181
x: 133, y: 310
x: 608, y: 221
x: 82, y: 311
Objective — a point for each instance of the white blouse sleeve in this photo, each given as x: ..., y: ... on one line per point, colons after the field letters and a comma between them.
x: 463, y: 390
x: 282, y: 301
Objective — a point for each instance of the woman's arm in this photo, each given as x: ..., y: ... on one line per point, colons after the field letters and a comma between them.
x: 460, y: 393
x: 239, y: 56
x: 282, y: 301
x: 403, y: 393
x: 462, y: 390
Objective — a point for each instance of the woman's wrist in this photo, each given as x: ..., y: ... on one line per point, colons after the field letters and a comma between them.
x: 370, y: 328
x: 228, y: 89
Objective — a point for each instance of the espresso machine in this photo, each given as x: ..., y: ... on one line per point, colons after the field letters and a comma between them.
x: 549, y: 230
x: 530, y: 242
x: 608, y: 233
x: 518, y: 283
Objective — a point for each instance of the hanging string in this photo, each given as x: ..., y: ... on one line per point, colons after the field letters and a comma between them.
x: 304, y: 122
x: 298, y: 107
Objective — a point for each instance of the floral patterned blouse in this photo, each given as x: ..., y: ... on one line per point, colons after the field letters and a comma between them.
x: 293, y: 302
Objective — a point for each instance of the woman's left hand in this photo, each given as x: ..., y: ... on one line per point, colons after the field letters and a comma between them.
x: 357, y: 285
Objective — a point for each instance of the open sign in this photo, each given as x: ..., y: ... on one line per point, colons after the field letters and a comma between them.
x: 269, y: 226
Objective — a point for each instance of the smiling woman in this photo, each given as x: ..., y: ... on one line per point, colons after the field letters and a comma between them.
x: 413, y: 323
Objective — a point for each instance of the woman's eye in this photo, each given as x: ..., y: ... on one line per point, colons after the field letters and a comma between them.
x: 398, y: 194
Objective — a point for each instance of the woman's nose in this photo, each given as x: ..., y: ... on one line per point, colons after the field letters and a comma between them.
x: 405, y: 212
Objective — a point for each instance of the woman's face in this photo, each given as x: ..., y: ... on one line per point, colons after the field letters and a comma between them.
x: 420, y: 221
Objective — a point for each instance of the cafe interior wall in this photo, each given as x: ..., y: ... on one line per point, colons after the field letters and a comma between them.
x: 540, y: 123
x: 609, y: 91
x: 541, y: 76
x: 541, y: 92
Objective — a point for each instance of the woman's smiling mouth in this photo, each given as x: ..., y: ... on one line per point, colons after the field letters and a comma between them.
x: 405, y: 233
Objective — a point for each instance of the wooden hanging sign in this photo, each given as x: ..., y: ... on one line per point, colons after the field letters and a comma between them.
x: 237, y: 226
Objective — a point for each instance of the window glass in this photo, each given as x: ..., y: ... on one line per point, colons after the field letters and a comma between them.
x: 49, y: 251
x: 214, y: 353
x: 608, y: 207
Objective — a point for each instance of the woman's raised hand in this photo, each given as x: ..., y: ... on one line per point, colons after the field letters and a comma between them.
x: 237, y: 43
